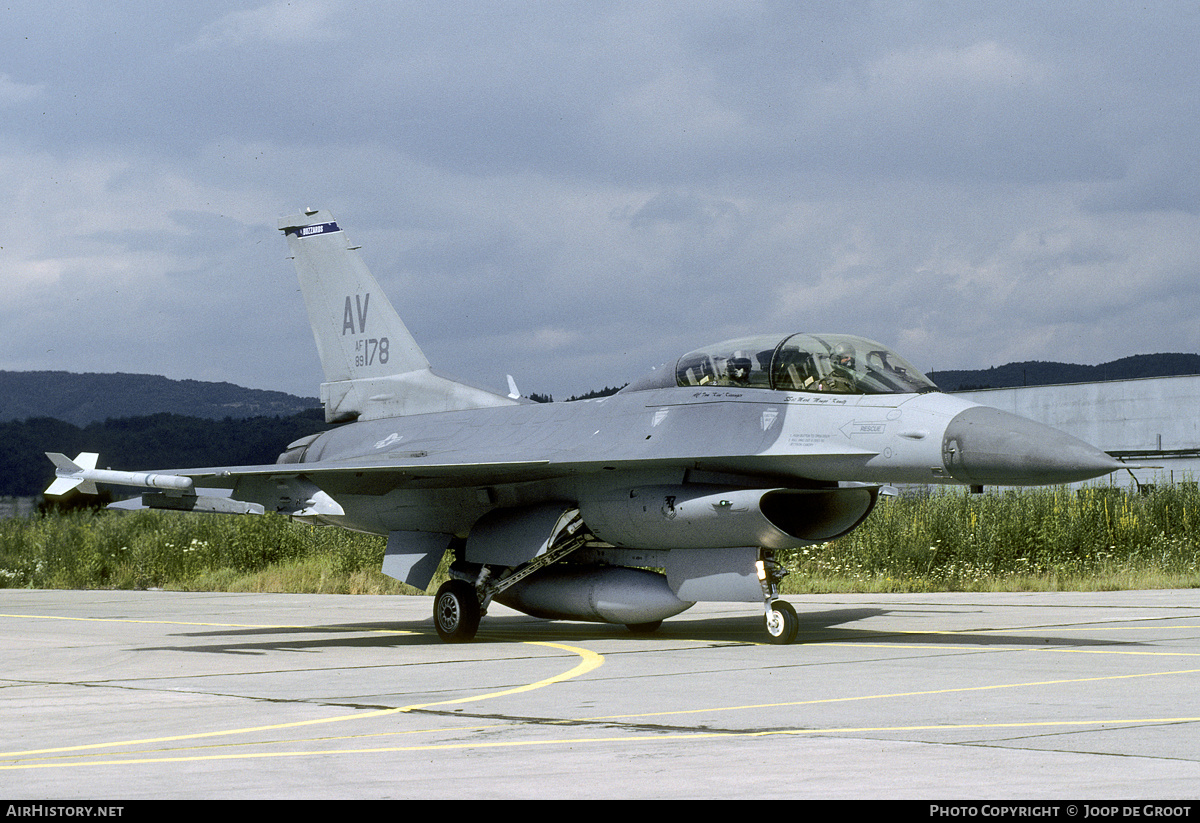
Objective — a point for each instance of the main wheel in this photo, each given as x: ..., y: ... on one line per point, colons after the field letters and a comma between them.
x: 456, y: 611
x: 782, y: 623
x: 644, y: 628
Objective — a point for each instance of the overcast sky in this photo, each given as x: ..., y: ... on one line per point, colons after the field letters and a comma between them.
x: 574, y: 193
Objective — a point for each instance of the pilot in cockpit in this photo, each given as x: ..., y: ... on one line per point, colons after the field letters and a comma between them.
x: 840, y: 378
x: 738, y: 368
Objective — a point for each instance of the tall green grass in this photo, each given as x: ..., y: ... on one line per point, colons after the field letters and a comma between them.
x: 1097, y: 537
x: 149, y: 549
x: 1040, y: 539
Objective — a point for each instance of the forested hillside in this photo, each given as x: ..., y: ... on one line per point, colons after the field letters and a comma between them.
x: 88, y: 398
x: 1039, y: 373
x: 159, y: 441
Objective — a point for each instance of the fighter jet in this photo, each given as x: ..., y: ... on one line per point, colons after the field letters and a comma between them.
x: 626, y: 509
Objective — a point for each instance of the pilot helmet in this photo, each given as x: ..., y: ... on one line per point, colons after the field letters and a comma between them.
x: 739, y: 366
x: 843, y: 355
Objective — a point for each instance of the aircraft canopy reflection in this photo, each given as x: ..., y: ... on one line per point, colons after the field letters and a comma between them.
x: 834, y: 363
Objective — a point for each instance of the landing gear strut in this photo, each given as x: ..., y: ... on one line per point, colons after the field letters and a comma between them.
x: 779, y: 615
x: 461, y: 603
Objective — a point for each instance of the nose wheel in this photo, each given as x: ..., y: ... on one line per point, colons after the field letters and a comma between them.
x: 782, y: 622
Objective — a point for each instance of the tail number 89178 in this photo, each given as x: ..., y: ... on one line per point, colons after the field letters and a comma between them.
x: 371, y: 351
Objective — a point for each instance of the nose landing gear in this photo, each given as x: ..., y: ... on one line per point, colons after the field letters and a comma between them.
x: 780, y: 617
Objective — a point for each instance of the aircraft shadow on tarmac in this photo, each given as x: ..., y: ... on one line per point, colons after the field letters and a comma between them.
x: 829, y: 626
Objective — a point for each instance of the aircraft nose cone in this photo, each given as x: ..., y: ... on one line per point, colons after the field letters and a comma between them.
x: 986, y: 446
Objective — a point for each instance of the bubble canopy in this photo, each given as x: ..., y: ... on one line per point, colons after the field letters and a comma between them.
x: 831, y: 363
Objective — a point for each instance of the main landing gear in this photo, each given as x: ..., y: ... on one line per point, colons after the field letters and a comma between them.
x: 780, y: 617
x: 461, y: 603
x: 463, y: 600
x: 456, y: 611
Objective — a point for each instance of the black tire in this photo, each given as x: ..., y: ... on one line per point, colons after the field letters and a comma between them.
x: 644, y: 628
x: 456, y: 611
x: 782, y: 623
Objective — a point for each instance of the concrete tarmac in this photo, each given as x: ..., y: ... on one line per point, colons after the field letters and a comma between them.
x: 1070, y: 696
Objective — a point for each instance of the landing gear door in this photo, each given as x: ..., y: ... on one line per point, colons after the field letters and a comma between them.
x: 413, y: 557
x: 714, y: 574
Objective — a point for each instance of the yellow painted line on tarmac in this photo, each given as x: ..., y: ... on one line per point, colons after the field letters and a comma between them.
x: 1047, y: 630
x: 624, y: 739
x: 892, y: 695
x: 159, y: 621
x: 1145, y: 625
x: 1007, y: 649
x: 67, y: 756
x: 589, y: 660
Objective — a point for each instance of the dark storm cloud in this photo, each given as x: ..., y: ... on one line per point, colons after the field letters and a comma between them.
x: 573, y: 192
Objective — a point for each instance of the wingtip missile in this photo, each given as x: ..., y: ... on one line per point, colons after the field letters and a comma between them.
x: 81, y: 473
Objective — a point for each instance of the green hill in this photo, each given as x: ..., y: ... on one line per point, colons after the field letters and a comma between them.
x: 1039, y: 373
x: 88, y: 398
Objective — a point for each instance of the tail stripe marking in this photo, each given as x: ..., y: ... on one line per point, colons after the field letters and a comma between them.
x: 308, y: 231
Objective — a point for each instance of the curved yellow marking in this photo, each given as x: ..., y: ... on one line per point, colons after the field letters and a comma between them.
x: 590, y: 660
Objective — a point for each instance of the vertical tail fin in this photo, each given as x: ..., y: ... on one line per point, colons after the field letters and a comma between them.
x: 373, y: 366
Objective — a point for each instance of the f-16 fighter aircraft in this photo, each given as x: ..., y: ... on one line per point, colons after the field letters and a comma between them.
x: 703, y: 470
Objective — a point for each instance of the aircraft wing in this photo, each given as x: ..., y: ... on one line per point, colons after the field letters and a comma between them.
x: 381, y: 474
x: 372, y: 476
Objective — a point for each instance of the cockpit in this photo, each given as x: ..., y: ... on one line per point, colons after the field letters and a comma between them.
x: 833, y: 363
